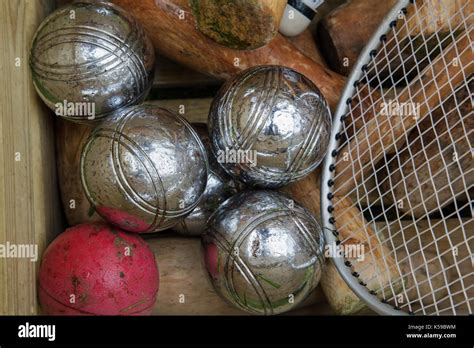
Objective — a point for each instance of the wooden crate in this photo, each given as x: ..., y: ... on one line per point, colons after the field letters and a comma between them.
x: 30, y: 209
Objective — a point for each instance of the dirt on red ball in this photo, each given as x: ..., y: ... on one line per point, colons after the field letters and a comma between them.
x: 96, y: 269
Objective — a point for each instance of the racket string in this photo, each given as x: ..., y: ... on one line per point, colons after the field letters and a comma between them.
x: 446, y: 288
x: 368, y: 151
x: 394, y: 34
x: 425, y: 264
x: 388, y: 119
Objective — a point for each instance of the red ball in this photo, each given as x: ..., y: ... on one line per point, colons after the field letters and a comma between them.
x: 211, y: 258
x: 96, y: 269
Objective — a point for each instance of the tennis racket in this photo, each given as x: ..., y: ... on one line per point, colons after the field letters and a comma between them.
x: 397, y: 183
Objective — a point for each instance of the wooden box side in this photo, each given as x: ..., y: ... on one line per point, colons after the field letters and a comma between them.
x: 30, y: 213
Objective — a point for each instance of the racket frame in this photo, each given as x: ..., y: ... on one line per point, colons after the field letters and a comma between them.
x: 372, y: 301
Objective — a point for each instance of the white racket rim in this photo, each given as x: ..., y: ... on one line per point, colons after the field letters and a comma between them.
x: 372, y: 301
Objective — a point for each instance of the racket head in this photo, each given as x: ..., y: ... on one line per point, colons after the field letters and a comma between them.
x: 396, y: 295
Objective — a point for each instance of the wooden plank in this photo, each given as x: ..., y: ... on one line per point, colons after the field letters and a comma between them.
x: 193, y: 110
x: 29, y: 204
x: 169, y: 74
x: 183, y: 277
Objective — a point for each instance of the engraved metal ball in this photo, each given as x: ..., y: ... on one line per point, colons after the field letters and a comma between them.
x: 220, y: 186
x: 144, y: 168
x: 90, y: 58
x: 270, y: 126
x: 264, y: 253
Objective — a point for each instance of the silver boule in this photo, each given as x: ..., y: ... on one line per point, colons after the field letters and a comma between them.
x: 90, y: 58
x: 220, y: 186
x: 144, y: 168
x: 269, y: 126
x: 263, y: 251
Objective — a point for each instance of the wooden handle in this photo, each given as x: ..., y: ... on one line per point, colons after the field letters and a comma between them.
x: 179, y: 40
x: 345, y: 31
x: 241, y: 24
x: 342, y: 46
x: 307, y: 45
x: 426, y: 91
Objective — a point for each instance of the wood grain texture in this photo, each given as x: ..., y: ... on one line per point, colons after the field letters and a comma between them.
x: 193, y: 109
x: 377, y: 269
x: 29, y: 201
x: 426, y: 27
x: 344, y: 32
x: 169, y: 74
x: 437, y: 16
x: 306, y: 43
x: 438, y: 236
x: 344, y: 302
x: 180, y: 41
x: 182, y: 273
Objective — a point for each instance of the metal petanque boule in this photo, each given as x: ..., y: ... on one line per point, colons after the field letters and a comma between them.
x: 263, y: 252
x: 144, y: 169
x: 269, y: 126
x: 89, y: 59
